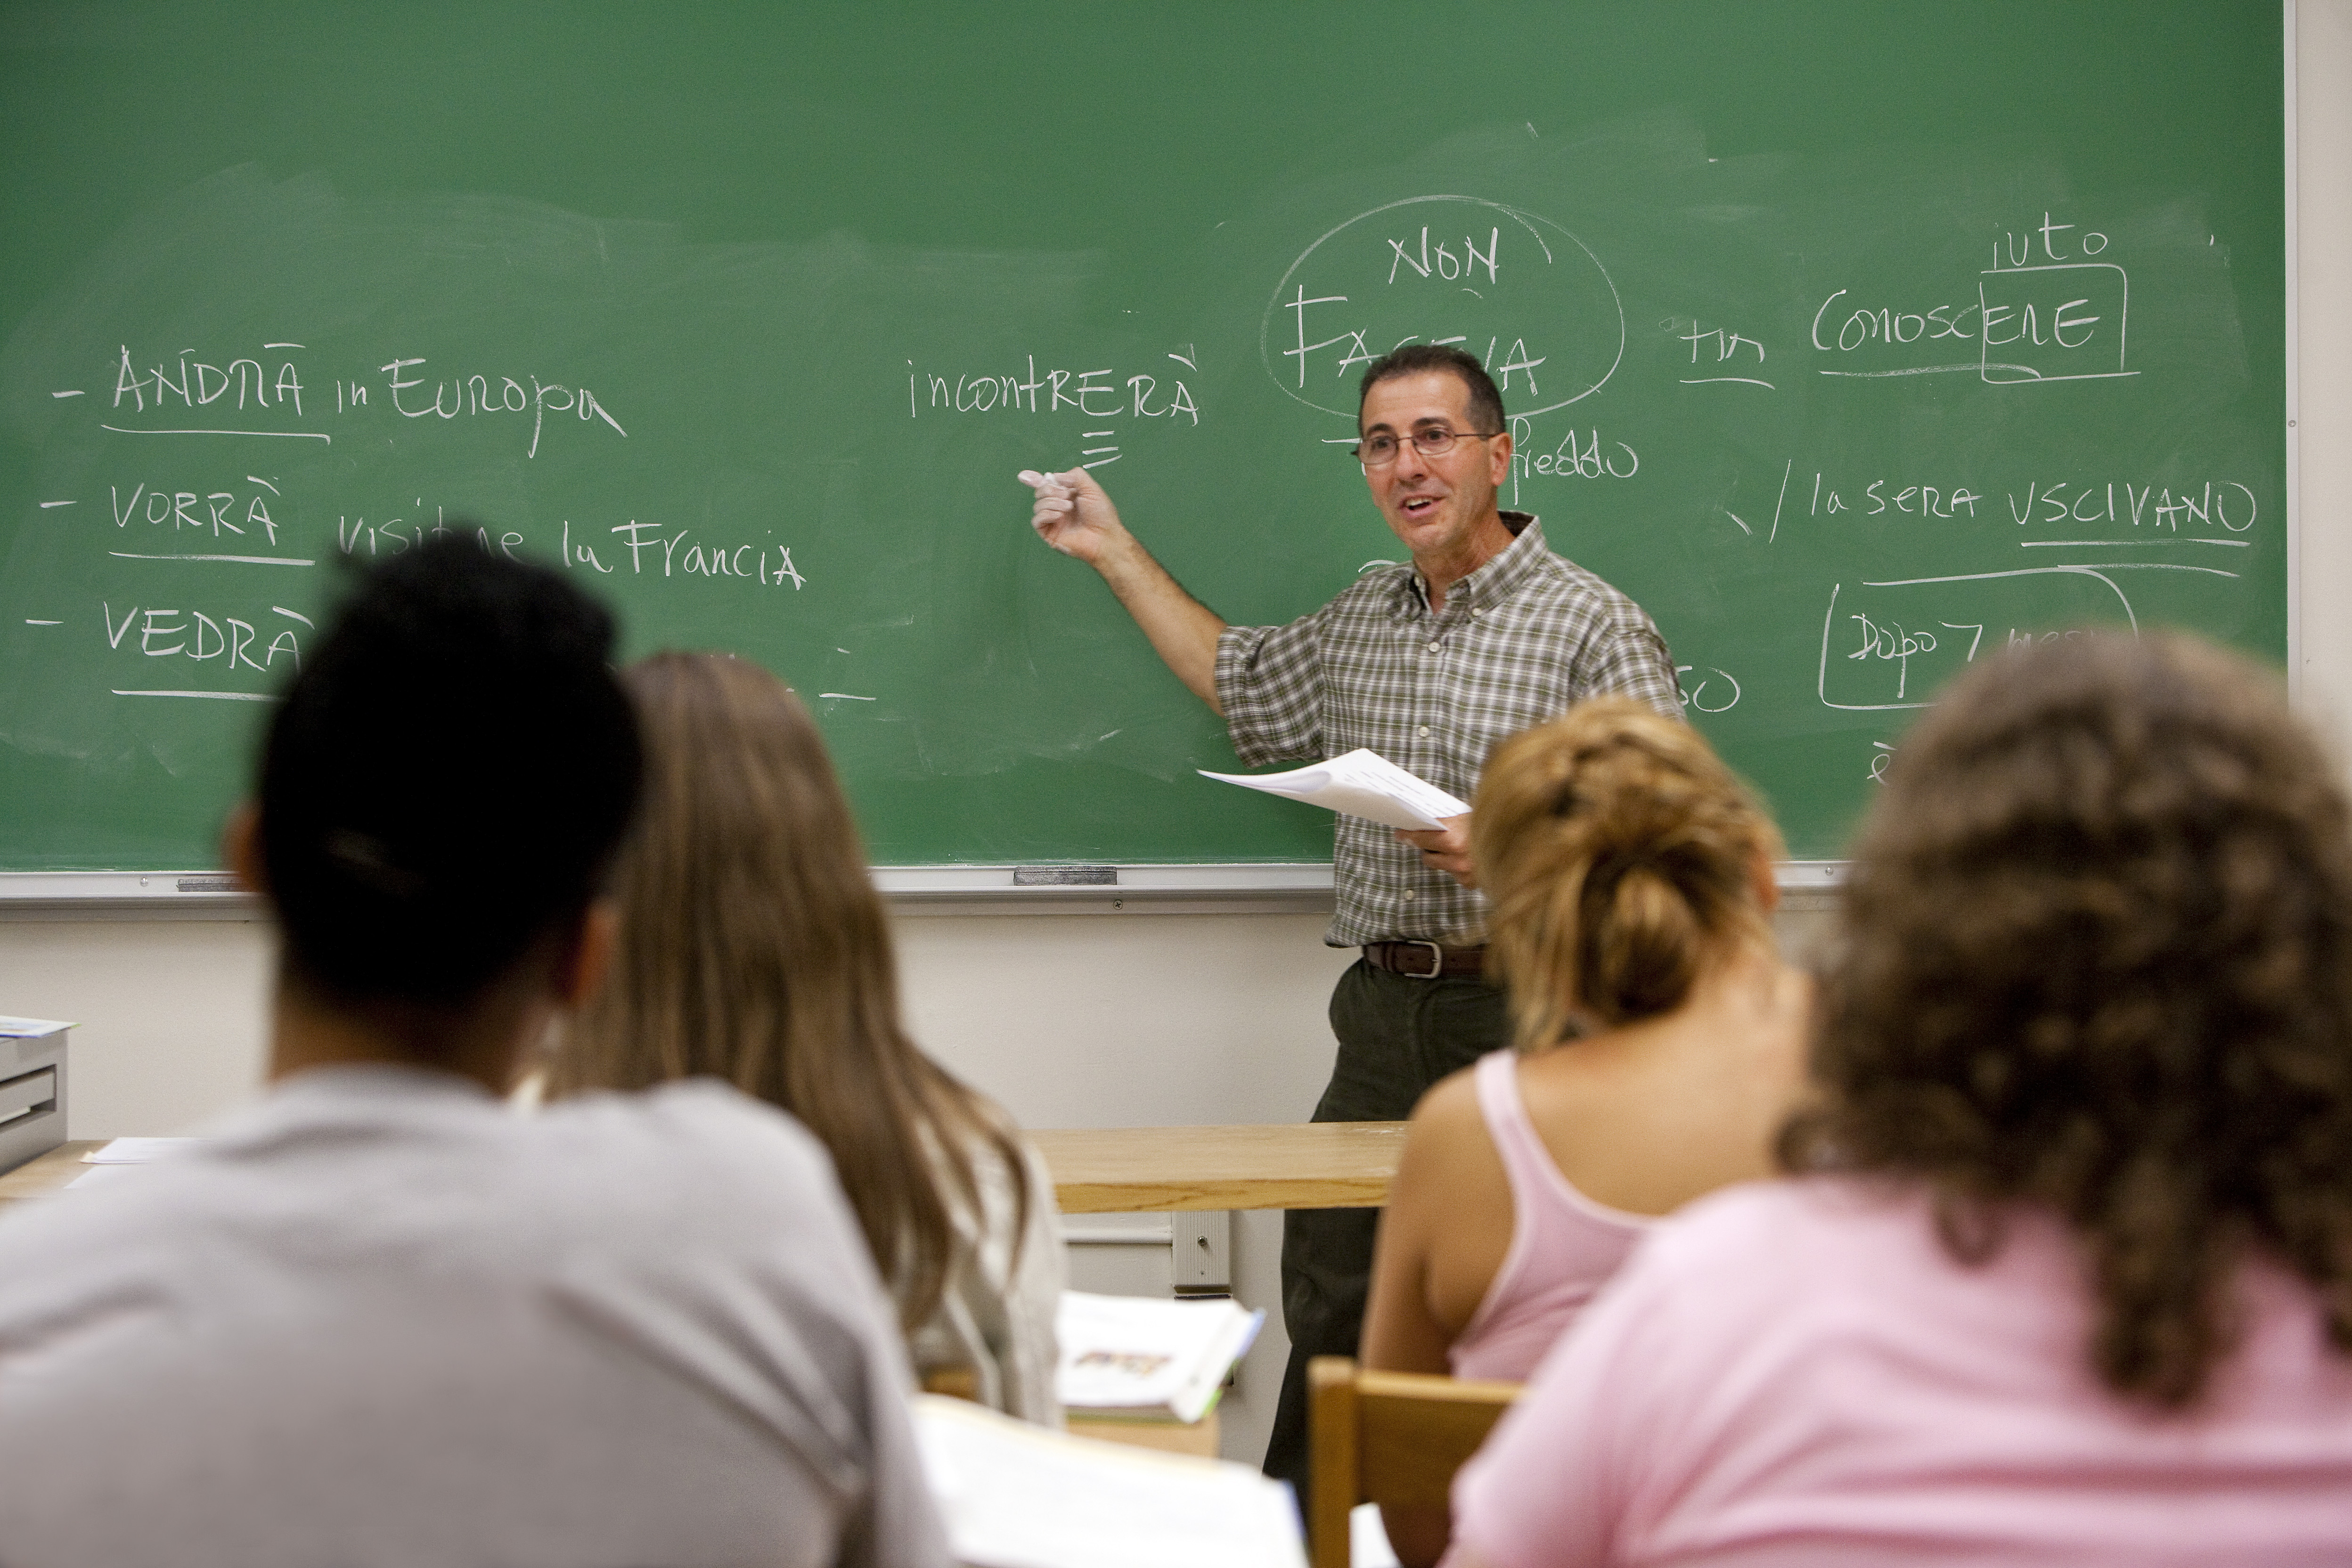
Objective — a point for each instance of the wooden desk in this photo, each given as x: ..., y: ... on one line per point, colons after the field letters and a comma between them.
x: 1135, y: 1169
x: 1200, y: 1439
x: 46, y: 1172
x: 1104, y: 1170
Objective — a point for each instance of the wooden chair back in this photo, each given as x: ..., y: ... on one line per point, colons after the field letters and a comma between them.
x: 955, y: 1381
x: 1389, y: 1437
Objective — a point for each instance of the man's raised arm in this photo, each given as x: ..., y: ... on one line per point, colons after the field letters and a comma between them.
x: 1075, y: 516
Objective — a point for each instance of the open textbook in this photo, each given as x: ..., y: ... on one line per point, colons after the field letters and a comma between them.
x: 1362, y: 783
x: 1145, y: 1359
x: 1017, y: 1496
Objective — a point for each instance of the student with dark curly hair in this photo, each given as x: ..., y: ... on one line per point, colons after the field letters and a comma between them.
x: 2065, y: 1270
x: 380, y: 1318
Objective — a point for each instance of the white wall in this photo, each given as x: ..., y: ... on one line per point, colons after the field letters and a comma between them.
x: 1137, y: 1019
x: 2324, y: 333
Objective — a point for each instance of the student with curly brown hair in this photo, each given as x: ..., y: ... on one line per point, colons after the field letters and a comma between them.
x: 1659, y: 1043
x: 2065, y: 1273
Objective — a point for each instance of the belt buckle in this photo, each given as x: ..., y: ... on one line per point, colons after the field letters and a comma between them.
x: 1436, y: 960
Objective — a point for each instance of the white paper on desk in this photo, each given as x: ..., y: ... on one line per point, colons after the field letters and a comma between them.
x: 138, y: 1150
x: 29, y: 1028
x: 1361, y: 782
x: 1018, y: 1496
x: 1142, y: 1353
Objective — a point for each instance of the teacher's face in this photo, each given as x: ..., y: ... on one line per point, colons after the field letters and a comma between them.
x: 1437, y: 506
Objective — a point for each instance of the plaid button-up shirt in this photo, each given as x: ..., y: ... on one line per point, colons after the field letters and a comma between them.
x: 1522, y: 638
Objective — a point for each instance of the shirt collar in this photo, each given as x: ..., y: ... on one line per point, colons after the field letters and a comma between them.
x: 1493, y: 583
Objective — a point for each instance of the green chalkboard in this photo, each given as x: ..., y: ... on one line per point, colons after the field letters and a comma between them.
x: 1854, y: 340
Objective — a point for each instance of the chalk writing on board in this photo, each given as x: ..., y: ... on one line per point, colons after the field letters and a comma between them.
x: 2213, y: 509
x: 240, y: 509
x: 473, y: 395
x: 1579, y: 454
x: 636, y: 549
x: 1730, y: 358
x: 1100, y: 394
x: 2230, y: 505
x: 149, y: 389
x: 2043, y: 312
x: 1882, y: 642
x: 200, y: 637
x: 245, y: 639
x: 1518, y: 291
x: 1715, y: 691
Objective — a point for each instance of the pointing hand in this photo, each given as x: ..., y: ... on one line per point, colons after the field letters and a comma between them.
x: 1072, y: 514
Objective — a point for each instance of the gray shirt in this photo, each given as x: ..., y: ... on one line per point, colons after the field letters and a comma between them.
x: 382, y: 1320
x: 1521, y: 639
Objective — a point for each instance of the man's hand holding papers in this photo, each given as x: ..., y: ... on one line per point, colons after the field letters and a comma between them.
x: 1360, y: 782
x: 1364, y: 783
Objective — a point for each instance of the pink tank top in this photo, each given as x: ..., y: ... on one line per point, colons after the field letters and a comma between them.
x: 1563, y: 1244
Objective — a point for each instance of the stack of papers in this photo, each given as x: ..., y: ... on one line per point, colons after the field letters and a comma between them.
x: 138, y: 1150
x: 1137, y: 1357
x: 1017, y: 1496
x: 29, y: 1028
x: 1362, y: 783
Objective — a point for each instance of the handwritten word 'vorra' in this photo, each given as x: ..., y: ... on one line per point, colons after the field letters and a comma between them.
x: 218, y: 513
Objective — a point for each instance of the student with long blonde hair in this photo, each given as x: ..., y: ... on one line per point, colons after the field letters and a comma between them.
x: 754, y: 948
x: 1659, y: 1043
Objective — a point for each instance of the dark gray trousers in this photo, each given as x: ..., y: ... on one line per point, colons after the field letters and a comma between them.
x: 1397, y: 1037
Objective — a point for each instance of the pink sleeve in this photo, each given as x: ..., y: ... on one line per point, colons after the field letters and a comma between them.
x: 1554, y: 1485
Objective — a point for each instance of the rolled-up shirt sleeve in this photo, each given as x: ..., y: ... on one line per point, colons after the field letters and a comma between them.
x: 1270, y: 684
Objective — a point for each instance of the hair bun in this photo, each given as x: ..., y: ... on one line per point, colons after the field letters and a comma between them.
x: 1618, y: 854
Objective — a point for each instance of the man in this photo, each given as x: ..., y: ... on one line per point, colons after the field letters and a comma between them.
x: 379, y: 1318
x: 1486, y: 633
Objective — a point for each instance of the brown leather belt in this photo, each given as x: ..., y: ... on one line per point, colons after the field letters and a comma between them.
x: 1427, y: 960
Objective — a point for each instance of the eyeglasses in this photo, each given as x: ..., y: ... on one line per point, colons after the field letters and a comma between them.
x: 1379, y: 451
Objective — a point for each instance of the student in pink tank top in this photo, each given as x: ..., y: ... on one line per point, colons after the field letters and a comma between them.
x: 2065, y: 1273
x: 1659, y: 1045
